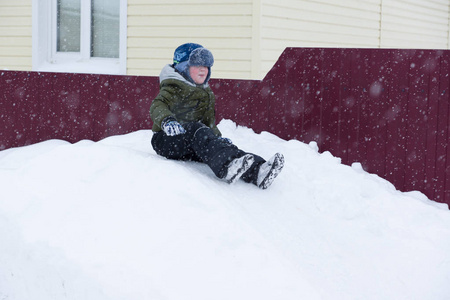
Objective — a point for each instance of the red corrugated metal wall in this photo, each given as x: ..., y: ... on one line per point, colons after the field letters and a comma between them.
x: 40, y: 106
x: 386, y: 108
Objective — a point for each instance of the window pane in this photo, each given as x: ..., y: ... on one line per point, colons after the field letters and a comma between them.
x: 105, y: 28
x: 68, y: 26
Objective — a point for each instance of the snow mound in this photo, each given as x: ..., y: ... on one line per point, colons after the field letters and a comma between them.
x: 112, y: 220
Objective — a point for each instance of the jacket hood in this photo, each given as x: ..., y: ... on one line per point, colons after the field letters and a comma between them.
x: 168, y: 72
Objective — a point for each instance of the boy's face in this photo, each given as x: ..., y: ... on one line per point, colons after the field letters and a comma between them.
x: 198, y: 74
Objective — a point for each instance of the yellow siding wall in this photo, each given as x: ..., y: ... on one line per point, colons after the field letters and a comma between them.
x: 156, y: 28
x: 247, y: 36
x: 15, y: 35
x: 415, y: 24
x: 321, y: 23
x: 351, y: 23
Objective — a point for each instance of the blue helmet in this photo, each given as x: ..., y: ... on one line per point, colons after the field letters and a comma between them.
x: 182, y: 53
x: 194, y: 54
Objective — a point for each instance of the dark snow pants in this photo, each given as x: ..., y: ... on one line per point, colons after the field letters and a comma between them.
x: 199, y: 143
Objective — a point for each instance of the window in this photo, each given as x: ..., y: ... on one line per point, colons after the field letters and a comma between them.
x: 82, y: 36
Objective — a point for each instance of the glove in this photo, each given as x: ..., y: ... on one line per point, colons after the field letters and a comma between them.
x: 226, y: 140
x: 171, y: 127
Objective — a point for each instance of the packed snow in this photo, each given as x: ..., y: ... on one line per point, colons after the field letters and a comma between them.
x: 112, y: 220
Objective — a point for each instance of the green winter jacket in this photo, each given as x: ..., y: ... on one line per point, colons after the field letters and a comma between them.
x: 183, y: 100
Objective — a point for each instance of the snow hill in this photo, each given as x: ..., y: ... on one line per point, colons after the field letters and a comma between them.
x: 112, y: 220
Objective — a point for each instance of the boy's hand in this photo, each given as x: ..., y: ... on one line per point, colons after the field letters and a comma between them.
x: 171, y: 127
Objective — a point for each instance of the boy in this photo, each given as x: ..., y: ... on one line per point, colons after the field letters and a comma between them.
x: 184, y: 124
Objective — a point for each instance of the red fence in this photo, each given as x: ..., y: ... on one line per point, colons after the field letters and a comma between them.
x: 40, y: 106
x: 388, y: 109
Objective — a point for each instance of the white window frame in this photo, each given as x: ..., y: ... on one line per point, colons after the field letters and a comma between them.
x: 46, y: 58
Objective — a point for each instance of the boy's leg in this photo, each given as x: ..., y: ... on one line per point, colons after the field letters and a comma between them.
x: 201, y: 144
x: 173, y: 147
x: 211, y: 149
x: 218, y: 154
x: 198, y: 143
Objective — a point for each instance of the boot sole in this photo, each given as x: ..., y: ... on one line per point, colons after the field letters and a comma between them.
x: 277, y: 166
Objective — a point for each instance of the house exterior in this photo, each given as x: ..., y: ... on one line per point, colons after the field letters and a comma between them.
x: 137, y: 37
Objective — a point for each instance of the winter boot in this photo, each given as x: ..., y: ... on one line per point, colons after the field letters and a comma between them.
x: 237, y: 167
x: 269, y: 170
